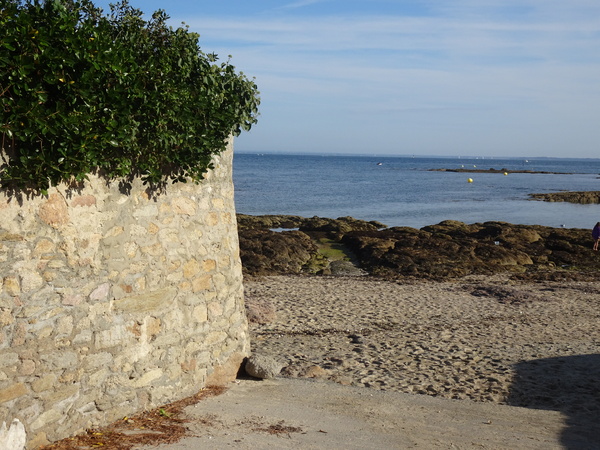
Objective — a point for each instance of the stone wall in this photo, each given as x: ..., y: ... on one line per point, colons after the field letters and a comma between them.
x: 114, y: 299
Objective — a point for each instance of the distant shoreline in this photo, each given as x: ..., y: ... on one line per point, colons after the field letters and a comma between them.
x: 500, y: 171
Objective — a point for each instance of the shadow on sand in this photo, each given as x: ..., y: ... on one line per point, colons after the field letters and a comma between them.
x: 569, y: 384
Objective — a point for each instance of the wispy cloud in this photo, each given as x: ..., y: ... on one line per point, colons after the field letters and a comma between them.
x: 399, y: 33
x: 495, y: 62
x: 300, y: 4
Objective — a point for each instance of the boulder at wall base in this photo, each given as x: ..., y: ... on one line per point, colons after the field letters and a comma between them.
x: 263, y: 367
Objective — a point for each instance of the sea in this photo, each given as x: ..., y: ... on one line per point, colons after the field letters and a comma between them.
x: 408, y: 191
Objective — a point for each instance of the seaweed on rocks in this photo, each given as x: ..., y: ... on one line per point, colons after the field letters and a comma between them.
x: 450, y: 249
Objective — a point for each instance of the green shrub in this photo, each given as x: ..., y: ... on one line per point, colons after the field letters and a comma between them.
x: 83, y: 91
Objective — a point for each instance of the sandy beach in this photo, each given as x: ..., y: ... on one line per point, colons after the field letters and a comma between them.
x: 488, y: 339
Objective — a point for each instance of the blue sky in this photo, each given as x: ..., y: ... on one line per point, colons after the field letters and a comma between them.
x: 422, y: 77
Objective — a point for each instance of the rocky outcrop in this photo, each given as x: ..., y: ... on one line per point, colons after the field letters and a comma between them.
x: 339, y: 225
x: 268, y: 221
x: 581, y: 197
x: 265, y: 252
x: 446, y: 250
x: 492, y: 170
x: 453, y: 249
x: 294, y: 247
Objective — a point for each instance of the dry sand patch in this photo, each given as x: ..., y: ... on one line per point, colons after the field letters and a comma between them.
x: 488, y: 339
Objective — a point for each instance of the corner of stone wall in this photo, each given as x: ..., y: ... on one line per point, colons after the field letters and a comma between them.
x: 112, y: 302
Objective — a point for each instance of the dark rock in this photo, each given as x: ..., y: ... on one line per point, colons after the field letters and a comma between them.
x: 345, y: 268
x: 445, y: 250
x: 584, y: 198
x: 356, y: 339
x: 340, y: 225
x: 269, y: 221
x: 492, y: 170
x: 454, y: 249
x: 265, y: 252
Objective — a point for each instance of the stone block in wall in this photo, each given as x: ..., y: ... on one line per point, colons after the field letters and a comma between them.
x: 149, y: 301
x: 12, y: 392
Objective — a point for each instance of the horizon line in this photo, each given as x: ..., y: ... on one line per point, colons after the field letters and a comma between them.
x: 402, y: 155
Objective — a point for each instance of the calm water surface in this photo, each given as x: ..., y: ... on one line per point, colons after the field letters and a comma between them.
x: 402, y: 191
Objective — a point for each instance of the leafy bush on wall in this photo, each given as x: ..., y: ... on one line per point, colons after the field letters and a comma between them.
x: 83, y: 91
